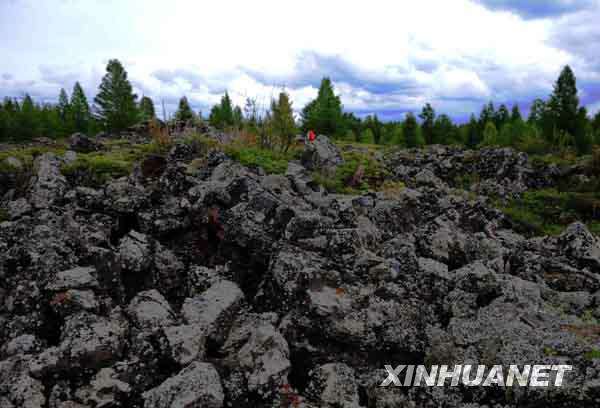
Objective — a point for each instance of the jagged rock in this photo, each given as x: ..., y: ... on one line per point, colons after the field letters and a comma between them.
x: 197, y: 385
x: 24, y: 344
x: 333, y: 385
x: 48, y: 184
x: 135, y: 252
x: 153, y: 166
x: 150, y: 311
x: 265, y: 360
x: 321, y: 155
x: 80, y: 143
x: 76, y: 278
x: 213, y: 310
x: 18, y: 208
x: 105, y: 390
x: 90, y: 341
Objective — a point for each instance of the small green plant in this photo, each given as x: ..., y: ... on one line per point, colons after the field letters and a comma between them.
x: 550, y: 352
x: 97, y: 168
x: 272, y: 161
x: 593, y: 354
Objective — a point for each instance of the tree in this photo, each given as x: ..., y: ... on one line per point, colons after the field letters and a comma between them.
x: 473, y: 137
x: 26, y: 124
x: 488, y: 113
x: 596, y: 121
x: 502, y: 117
x: 410, y: 131
x: 490, y: 135
x: 238, y: 117
x: 283, y: 120
x: 146, y: 108
x: 515, y: 114
x: 428, y: 117
x: 367, y: 136
x: 79, y: 110
x: 221, y: 116
x: 116, y: 102
x: 563, y: 104
x: 184, y: 111
x: 324, y: 114
x: 443, y: 129
x: 537, y: 112
x: 583, y: 135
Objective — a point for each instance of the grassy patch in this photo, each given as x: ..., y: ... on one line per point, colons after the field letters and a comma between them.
x: 549, y: 211
x: 373, y: 176
x: 593, y: 354
x: 97, y: 168
x: 25, y: 155
x: 272, y: 161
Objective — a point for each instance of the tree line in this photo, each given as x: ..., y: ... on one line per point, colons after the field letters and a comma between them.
x: 559, y: 122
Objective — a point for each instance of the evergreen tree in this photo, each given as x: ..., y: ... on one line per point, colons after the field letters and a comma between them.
x: 515, y: 114
x: 490, y: 135
x: 410, y: 131
x: 27, y: 120
x: 283, y: 120
x: 563, y: 104
x: 79, y: 110
x: 367, y: 136
x: 502, y: 117
x: 473, y: 137
x: 117, y: 108
x: 64, y: 112
x: 184, y: 111
x: 428, y: 117
x: 146, y: 109
x: 443, y: 129
x: 537, y: 112
x: 324, y: 114
x: 488, y: 114
x: 583, y: 132
x: 596, y: 121
x: 221, y: 116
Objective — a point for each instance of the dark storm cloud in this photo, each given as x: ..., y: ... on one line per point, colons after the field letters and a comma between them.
x: 533, y: 9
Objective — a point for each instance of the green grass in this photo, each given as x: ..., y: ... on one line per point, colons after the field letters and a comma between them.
x: 98, y: 167
x: 549, y: 211
x: 593, y: 354
x: 25, y: 155
x: 373, y: 178
x: 272, y: 161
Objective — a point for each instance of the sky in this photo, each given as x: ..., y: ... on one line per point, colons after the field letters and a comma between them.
x: 385, y: 58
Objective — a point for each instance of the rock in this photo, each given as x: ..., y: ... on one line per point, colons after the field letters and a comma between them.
x: 321, y: 155
x: 186, y: 342
x: 197, y: 385
x: 578, y: 243
x: 214, y: 309
x: 80, y: 143
x: 24, y: 344
x: 18, y: 208
x: 48, y: 185
x: 14, y: 163
x: 135, y: 252
x: 76, y: 278
x: 150, y: 311
x: 333, y: 385
x: 90, y: 341
x: 265, y: 359
x: 105, y: 390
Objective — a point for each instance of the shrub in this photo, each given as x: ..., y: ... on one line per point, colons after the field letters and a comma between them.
x: 96, y: 168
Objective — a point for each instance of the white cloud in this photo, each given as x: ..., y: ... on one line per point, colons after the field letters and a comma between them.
x: 383, y: 56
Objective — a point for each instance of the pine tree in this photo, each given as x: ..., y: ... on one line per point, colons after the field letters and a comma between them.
x: 27, y: 121
x: 117, y: 108
x: 283, y: 120
x: 146, y: 108
x: 473, y: 137
x: 79, y: 109
x: 428, y: 117
x: 238, y: 118
x: 221, y: 116
x: 515, y: 114
x: 490, y: 135
x: 563, y: 105
x: 324, y: 114
x: 367, y: 136
x: 443, y: 129
x: 409, y: 130
x: 184, y: 111
x: 502, y: 117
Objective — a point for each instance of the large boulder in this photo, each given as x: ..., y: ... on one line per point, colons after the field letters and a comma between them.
x: 197, y: 385
x: 321, y: 155
x: 48, y: 185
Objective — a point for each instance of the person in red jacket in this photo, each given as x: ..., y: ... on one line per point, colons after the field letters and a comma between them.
x: 311, y: 136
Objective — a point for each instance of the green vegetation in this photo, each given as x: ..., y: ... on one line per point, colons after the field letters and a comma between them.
x: 593, y: 354
x: 184, y: 111
x: 373, y: 174
x: 272, y: 161
x: 97, y: 168
x: 549, y: 211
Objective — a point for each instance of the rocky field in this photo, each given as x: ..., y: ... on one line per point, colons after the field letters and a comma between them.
x: 194, y: 281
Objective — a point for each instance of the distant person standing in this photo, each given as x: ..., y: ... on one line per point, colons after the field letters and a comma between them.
x: 311, y: 136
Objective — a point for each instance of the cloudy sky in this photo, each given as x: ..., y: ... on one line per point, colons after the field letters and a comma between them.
x: 384, y: 57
